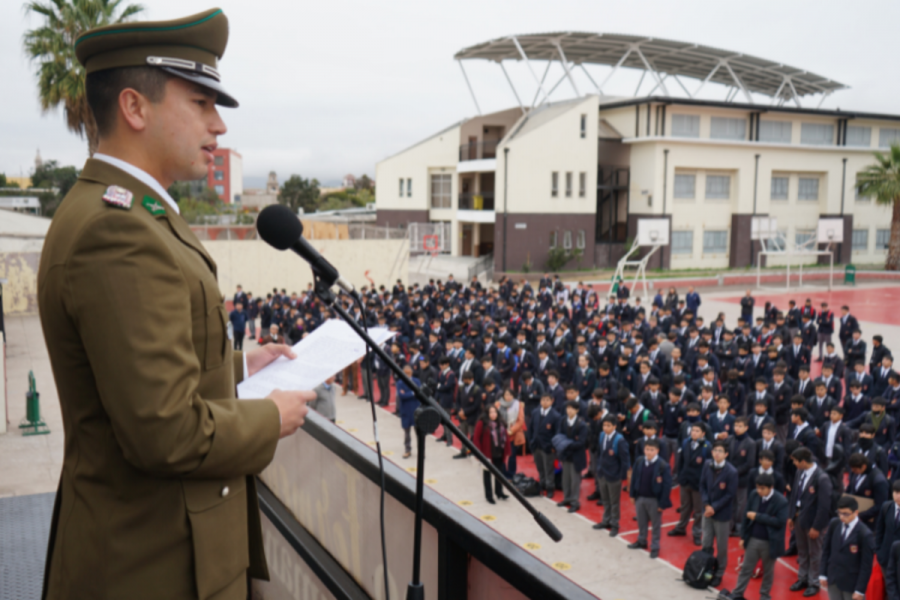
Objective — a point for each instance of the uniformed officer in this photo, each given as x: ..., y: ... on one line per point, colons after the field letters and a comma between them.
x: 156, y: 497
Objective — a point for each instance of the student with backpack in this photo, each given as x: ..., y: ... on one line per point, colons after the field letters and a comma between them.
x: 718, y: 489
x: 612, y: 469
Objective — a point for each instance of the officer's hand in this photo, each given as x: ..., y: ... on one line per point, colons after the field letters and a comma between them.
x: 292, y: 408
x: 262, y: 356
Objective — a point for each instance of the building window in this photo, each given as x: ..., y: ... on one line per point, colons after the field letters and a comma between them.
x: 219, y: 175
x: 780, y: 188
x: 728, y: 129
x: 778, y: 132
x: 803, y: 236
x: 220, y: 190
x: 409, y: 187
x: 718, y: 187
x: 554, y: 239
x: 682, y: 242
x: 219, y: 161
x: 715, y: 242
x: 579, y: 240
x: 816, y: 134
x: 882, y: 239
x: 808, y: 188
x: 554, y: 184
x: 684, y: 186
x: 568, y: 184
x: 401, y: 187
x: 859, y: 136
x: 582, y: 184
x: 567, y: 240
x: 583, y: 125
x: 440, y: 190
x: 861, y: 239
x: 686, y: 126
x: 888, y: 136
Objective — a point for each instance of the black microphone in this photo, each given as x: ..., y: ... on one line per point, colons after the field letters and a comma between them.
x: 281, y: 229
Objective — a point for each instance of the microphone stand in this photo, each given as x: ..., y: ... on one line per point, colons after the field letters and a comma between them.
x: 428, y: 416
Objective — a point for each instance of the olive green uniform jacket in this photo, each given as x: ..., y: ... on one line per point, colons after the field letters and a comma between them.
x: 156, y: 497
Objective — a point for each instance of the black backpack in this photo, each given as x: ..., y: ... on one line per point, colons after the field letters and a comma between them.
x: 528, y: 486
x: 700, y: 569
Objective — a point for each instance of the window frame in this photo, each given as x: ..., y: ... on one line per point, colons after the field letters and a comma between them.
x: 882, y: 244
x: 803, y: 236
x: 554, y: 238
x: 580, y: 239
x: 727, y: 123
x: 569, y: 184
x: 582, y: 184
x: 858, y: 128
x: 567, y: 239
x: 766, y: 124
x: 554, y: 184
x: 680, y: 119
x: 442, y: 195
x: 583, y: 126
x: 715, y: 177
x: 854, y: 246
x: 808, y: 138
x: 409, y: 187
x: 708, y: 233
x: 787, y: 188
x: 679, y: 250
x: 675, y: 192
x: 800, y: 192
x: 402, y: 180
x: 894, y: 133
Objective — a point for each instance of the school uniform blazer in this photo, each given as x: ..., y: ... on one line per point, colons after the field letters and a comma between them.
x: 887, y: 532
x: 578, y: 434
x: 742, y: 457
x: 815, y: 501
x: 690, y: 462
x: 874, y: 487
x: 779, y: 480
x: 754, y: 431
x: 721, y: 425
x: 774, y: 517
x: 719, y: 490
x: 854, y: 410
x: 446, y: 389
x: 843, y: 437
x: 848, y: 563
x: 613, y: 464
x: 891, y: 571
x: 662, y: 482
x: 542, y: 430
x: 819, y: 413
x: 777, y: 448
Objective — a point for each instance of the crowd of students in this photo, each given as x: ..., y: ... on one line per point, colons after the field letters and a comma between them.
x: 641, y: 399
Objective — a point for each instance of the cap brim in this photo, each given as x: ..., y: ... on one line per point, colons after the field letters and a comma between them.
x: 223, y: 98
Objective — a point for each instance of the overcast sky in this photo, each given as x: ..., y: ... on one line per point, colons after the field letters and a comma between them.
x: 329, y: 88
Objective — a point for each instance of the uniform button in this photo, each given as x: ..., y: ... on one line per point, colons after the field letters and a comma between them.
x: 225, y: 491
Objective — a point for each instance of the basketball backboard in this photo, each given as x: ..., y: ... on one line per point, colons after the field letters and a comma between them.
x: 830, y: 231
x: 653, y: 232
x: 763, y: 228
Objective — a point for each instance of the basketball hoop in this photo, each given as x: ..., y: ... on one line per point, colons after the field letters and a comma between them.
x: 431, y: 243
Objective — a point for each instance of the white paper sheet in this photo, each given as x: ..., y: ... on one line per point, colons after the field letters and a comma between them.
x: 321, y: 354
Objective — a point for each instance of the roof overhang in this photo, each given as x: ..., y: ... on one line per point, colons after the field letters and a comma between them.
x: 663, y: 58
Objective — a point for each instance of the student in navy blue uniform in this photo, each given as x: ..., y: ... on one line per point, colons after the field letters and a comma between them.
x: 632, y: 423
x: 759, y: 418
x: 650, y: 428
x: 884, y: 424
x: 855, y: 350
x: 797, y: 356
x: 556, y: 391
x: 530, y: 395
x: 881, y: 372
x: 573, y: 457
x: 722, y: 422
x: 469, y: 404
x: 867, y: 481
x: 407, y: 403
x: 803, y: 432
x: 836, y: 433
x: 825, y: 327
x: 772, y: 444
x: 718, y: 489
x: 819, y: 406
x: 887, y: 533
x: 766, y: 460
x: 856, y: 404
x: 585, y: 379
x: 847, y: 553
x: 762, y: 535
x: 612, y: 469
x: 867, y: 445
x: 672, y: 417
x: 446, y: 393
x: 692, y: 455
x: 810, y: 511
x: 856, y: 371
x: 544, y: 425
x: 652, y: 397
x: 742, y: 456
x: 651, y: 484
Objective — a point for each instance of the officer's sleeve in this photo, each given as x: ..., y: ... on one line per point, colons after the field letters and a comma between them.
x: 128, y: 298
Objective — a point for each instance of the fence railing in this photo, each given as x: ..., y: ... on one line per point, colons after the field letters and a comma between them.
x: 478, y: 150
x: 479, y: 201
x: 484, y: 264
x: 368, y: 231
x: 429, y: 238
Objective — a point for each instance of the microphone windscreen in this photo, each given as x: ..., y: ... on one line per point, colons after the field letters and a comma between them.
x: 278, y: 226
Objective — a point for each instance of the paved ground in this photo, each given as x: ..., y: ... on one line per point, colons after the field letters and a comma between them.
x: 31, y: 465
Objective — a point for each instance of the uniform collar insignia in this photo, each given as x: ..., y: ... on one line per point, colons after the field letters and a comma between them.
x: 118, y: 196
x: 153, y: 206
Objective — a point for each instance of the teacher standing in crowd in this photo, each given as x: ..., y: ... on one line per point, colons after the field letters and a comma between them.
x: 157, y: 497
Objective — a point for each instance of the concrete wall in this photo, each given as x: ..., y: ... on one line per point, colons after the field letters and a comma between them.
x: 258, y: 268
x: 20, y: 292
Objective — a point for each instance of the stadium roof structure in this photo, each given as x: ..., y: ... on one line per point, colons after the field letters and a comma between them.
x: 666, y: 61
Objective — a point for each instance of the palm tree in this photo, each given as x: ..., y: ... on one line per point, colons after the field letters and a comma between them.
x: 52, y: 47
x: 882, y: 181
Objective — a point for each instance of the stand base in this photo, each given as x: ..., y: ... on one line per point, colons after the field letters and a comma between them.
x: 415, y: 591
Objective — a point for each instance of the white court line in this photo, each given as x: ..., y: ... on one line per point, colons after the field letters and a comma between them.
x: 664, y: 525
x: 782, y: 562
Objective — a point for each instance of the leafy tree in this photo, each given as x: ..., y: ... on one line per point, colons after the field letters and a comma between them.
x: 364, y: 183
x: 300, y: 193
x: 882, y: 182
x: 51, y: 175
x: 194, y: 210
x: 52, y: 48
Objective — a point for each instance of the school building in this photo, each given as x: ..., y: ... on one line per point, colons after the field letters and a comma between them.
x: 579, y: 173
